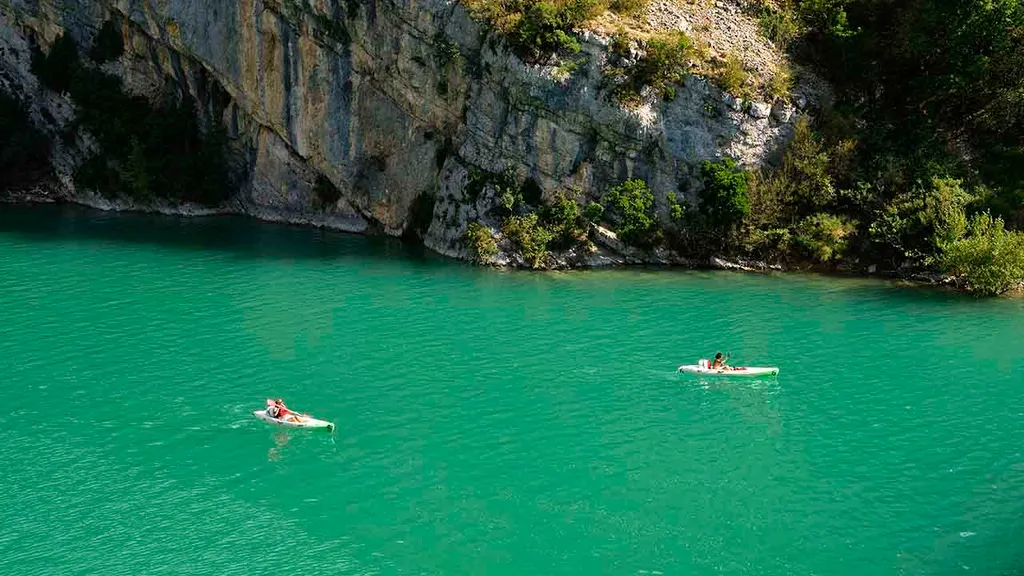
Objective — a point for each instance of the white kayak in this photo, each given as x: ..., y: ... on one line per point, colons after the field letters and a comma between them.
x: 729, y: 371
x: 302, y: 421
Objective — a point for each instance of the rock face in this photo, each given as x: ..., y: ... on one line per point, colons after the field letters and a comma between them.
x: 397, y: 103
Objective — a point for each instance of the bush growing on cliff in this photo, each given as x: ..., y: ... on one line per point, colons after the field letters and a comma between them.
x: 664, y: 64
x: 632, y: 205
x: 989, y: 259
x: 723, y: 201
x: 538, y: 29
x: 563, y: 218
x: 918, y: 225
x: 731, y: 75
x: 934, y: 88
x: 628, y: 7
x: 781, y: 83
x: 480, y: 242
x: 529, y: 237
x: 445, y: 51
x: 804, y: 184
x: 824, y: 237
x: 593, y: 212
x: 780, y: 24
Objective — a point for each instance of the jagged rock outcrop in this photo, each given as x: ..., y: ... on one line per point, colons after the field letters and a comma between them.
x: 395, y: 102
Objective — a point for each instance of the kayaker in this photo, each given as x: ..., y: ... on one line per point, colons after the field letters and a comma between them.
x: 719, y: 363
x: 283, y: 412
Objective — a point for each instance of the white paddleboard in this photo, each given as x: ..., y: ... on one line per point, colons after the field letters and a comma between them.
x: 737, y: 371
x: 301, y: 422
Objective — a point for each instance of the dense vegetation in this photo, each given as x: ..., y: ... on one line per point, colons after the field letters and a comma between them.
x: 918, y: 166
x: 532, y: 228
x: 145, y: 152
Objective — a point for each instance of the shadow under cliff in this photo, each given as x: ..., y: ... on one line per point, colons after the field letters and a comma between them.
x: 240, y: 236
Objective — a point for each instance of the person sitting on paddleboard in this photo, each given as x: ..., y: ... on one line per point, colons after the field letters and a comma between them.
x: 277, y: 409
x: 283, y: 412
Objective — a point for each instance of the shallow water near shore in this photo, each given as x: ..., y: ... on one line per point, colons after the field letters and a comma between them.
x: 488, y: 422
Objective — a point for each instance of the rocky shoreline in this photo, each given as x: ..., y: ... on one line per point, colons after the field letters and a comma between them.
x: 603, y: 257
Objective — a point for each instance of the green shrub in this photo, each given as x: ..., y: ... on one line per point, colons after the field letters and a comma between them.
x: 989, y: 260
x: 723, y: 201
x: 664, y: 64
x: 108, y: 44
x: 804, y: 184
x: 769, y: 196
x: 781, y: 25
x: 537, y: 29
x: 632, y: 204
x: 480, y: 241
x: 824, y: 237
x: 593, y: 212
x: 918, y: 225
x: 628, y: 7
x: 676, y: 210
x: 445, y: 51
x: 731, y: 76
x: 781, y: 83
x: 562, y: 217
x: 828, y: 16
x: 529, y: 238
x: 509, y: 200
x: 773, y: 244
x: 508, y: 191
x: 24, y: 150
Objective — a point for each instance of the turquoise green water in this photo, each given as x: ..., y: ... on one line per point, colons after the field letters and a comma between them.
x: 488, y: 422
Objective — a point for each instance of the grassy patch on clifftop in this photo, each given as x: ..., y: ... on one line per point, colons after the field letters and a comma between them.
x: 541, y: 29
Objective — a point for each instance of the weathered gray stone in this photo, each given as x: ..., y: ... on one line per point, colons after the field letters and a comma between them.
x: 760, y: 110
x: 782, y: 112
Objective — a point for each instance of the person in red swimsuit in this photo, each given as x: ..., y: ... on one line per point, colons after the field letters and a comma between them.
x: 277, y: 409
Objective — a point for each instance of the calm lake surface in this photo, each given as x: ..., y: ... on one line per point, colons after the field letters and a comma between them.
x: 488, y: 422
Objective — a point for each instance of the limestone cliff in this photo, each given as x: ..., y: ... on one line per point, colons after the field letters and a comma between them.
x: 395, y: 102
